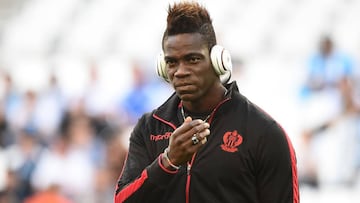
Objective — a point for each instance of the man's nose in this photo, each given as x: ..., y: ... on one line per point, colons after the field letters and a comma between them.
x: 182, y: 70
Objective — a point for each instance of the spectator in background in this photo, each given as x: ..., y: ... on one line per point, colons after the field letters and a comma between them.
x: 136, y: 101
x: 49, y: 109
x: 3, y: 161
x: 70, y: 163
x: 10, y: 101
x: 139, y: 99
x: 96, y: 101
x: 3, y: 176
x: 4, y: 134
x: 108, y: 173
x: 23, y: 157
x: 24, y: 114
x: 330, y: 119
x: 321, y: 96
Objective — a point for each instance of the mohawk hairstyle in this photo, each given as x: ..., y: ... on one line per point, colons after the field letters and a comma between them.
x: 190, y: 17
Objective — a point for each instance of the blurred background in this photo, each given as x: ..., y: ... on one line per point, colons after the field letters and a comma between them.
x: 75, y: 75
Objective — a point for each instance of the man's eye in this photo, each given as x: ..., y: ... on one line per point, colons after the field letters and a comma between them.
x: 170, y: 62
x: 194, y: 59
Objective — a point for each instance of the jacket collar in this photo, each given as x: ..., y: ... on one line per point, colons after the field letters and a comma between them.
x: 168, y: 111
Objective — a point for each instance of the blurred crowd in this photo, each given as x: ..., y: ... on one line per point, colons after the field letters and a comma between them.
x: 59, y: 149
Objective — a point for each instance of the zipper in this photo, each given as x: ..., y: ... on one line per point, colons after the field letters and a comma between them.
x: 188, y: 178
x: 189, y: 164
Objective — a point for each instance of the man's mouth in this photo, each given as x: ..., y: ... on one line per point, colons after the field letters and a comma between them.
x: 184, y: 88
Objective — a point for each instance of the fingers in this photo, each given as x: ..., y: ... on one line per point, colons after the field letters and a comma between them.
x: 197, y: 126
x: 200, y: 137
x: 188, y: 128
x: 203, y: 134
x: 203, y: 141
x: 202, y: 131
x: 187, y: 139
x: 187, y: 119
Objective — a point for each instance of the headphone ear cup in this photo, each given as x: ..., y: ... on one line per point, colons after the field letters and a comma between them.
x: 221, y: 61
x: 161, y: 67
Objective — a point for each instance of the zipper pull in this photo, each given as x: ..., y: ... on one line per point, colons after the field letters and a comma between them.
x: 188, y: 168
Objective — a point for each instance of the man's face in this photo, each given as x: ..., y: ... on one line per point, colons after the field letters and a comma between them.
x: 188, y: 66
x: 326, y: 47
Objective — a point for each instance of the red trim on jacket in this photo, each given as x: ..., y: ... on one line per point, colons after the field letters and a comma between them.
x: 164, y: 121
x: 295, y: 187
x: 131, y: 188
x: 188, y: 179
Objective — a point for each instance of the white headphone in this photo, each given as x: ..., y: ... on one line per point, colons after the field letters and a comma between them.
x: 220, y: 60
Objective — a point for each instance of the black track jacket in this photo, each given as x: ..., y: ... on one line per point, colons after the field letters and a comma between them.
x: 248, y: 158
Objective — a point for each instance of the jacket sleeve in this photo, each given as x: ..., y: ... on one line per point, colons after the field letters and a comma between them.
x: 277, y: 180
x: 143, y: 179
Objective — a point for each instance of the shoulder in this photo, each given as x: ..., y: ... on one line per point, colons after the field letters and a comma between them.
x: 144, y: 121
x: 260, y: 121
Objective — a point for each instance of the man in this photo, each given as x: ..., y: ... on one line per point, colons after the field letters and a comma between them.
x: 207, y: 142
x: 329, y: 98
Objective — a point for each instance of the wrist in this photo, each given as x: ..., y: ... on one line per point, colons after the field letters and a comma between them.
x: 167, y: 162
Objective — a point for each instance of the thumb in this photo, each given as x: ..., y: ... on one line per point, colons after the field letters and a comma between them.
x: 188, y: 119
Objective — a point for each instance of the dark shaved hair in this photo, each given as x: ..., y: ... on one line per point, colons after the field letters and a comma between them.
x: 190, y: 17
